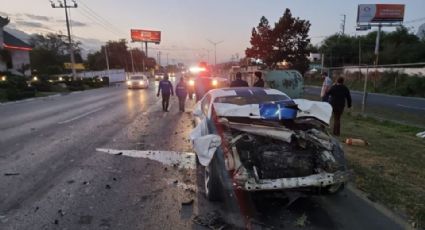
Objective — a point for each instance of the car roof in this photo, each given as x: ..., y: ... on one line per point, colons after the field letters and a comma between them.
x: 233, y: 91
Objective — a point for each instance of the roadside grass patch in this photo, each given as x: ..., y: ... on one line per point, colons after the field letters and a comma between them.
x: 391, y: 169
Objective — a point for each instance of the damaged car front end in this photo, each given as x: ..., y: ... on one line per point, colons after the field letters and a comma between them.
x: 268, y: 143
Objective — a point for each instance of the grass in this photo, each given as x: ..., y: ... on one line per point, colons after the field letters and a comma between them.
x: 391, y: 169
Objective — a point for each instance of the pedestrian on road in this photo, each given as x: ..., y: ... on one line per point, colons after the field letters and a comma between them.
x: 338, y: 94
x: 260, y: 81
x: 239, y: 82
x: 181, y: 93
x: 166, y: 89
x: 327, y: 83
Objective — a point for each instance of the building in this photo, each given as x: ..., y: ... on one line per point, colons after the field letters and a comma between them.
x: 14, y: 53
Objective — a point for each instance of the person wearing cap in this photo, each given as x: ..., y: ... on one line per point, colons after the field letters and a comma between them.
x: 181, y: 93
x: 166, y: 89
x: 327, y: 83
x: 260, y: 81
x: 239, y: 82
x: 339, y: 93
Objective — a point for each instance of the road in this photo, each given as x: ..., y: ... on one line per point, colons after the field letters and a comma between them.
x: 408, y: 109
x: 80, y: 161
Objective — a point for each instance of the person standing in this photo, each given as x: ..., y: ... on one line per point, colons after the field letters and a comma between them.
x: 239, y: 82
x: 181, y: 93
x: 327, y: 83
x: 166, y: 89
x: 260, y: 81
x: 338, y: 93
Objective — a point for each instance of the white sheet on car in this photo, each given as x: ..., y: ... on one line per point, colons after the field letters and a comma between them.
x: 204, y: 144
x: 318, y: 109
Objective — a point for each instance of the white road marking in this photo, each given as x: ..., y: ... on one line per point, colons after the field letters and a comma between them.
x: 80, y: 116
x: 411, y: 107
x: 180, y: 159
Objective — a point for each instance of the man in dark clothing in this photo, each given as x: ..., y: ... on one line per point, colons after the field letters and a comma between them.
x: 239, y: 82
x: 166, y: 88
x: 338, y: 94
x: 260, y: 81
x: 181, y: 93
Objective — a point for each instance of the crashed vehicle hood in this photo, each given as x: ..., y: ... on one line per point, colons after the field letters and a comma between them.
x: 316, y: 109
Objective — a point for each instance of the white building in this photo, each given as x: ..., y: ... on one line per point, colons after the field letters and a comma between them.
x: 14, y: 53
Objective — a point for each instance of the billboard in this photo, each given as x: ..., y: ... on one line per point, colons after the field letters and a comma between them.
x: 146, y: 36
x: 380, y: 13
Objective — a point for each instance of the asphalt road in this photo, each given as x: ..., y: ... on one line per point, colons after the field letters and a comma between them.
x: 408, y: 109
x: 64, y: 164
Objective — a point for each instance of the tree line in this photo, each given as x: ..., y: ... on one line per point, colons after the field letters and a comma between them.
x: 51, y: 51
x: 288, y: 41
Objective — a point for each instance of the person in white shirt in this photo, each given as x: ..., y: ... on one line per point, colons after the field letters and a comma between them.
x: 327, y: 83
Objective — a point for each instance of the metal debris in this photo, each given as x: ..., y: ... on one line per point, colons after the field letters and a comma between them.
x: 212, y: 220
x: 12, y: 174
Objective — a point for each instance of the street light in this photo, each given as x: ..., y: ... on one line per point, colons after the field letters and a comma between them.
x: 215, y: 50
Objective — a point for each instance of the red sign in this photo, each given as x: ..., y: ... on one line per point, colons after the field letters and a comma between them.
x: 377, y: 13
x: 146, y: 36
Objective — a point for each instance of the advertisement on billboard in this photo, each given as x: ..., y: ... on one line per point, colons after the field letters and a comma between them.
x: 146, y: 36
x: 380, y: 13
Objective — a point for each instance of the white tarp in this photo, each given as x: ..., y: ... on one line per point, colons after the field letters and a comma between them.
x: 317, y: 109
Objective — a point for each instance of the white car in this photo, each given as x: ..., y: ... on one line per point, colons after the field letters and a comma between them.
x: 138, y: 82
x: 262, y: 140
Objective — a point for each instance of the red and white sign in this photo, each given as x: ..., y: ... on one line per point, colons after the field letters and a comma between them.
x: 380, y: 13
x: 146, y: 36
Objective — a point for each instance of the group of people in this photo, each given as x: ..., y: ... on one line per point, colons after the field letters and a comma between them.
x: 166, y: 89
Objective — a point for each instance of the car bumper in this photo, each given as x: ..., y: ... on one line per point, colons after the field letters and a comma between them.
x: 315, y: 180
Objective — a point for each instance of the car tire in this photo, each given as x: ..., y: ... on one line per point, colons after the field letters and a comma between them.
x: 212, y: 181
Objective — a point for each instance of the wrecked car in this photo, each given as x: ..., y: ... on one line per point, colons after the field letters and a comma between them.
x: 266, y: 142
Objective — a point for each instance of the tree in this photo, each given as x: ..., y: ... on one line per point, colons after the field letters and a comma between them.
x: 291, y: 41
x: 50, y: 52
x: 261, y: 42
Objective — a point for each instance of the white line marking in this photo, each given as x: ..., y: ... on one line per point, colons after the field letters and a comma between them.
x: 180, y: 159
x: 411, y: 107
x: 80, y: 116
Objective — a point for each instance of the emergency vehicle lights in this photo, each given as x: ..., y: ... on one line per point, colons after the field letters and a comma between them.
x: 197, y: 69
x: 214, y: 82
x: 191, y: 82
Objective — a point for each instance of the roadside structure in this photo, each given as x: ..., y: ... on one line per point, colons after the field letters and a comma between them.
x: 14, y: 53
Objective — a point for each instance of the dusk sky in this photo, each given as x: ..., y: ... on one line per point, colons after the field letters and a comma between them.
x: 186, y: 25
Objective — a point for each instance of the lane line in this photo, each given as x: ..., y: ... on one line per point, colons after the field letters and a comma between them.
x: 80, y: 116
x: 411, y: 107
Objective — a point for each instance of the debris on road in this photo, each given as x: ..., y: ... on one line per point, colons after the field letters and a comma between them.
x: 56, y: 222
x: 70, y: 181
x: 118, y: 154
x: 356, y: 141
x: 107, y: 186
x: 61, y: 213
x: 302, y: 221
x: 212, y: 220
x: 421, y: 134
x: 12, y: 174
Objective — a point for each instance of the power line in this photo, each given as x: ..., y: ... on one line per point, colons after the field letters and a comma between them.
x: 94, y: 20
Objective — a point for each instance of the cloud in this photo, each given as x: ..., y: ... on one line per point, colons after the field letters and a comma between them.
x: 74, y: 23
x: 38, y: 17
x: 31, y: 24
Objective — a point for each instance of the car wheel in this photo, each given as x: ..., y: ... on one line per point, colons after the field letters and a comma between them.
x: 334, y: 189
x: 212, y: 182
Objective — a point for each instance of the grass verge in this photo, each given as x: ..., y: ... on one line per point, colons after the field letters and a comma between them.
x: 391, y: 169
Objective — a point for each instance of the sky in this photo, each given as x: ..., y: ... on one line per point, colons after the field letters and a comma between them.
x: 187, y: 25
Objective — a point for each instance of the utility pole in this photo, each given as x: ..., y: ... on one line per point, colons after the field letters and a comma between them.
x: 71, y: 48
x: 107, y: 58
x: 132, y: 61
x: 215, y: 50
x: 167, y: 59
x: 343, y: 24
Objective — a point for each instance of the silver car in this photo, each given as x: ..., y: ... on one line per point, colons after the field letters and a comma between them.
x: 138, y: 82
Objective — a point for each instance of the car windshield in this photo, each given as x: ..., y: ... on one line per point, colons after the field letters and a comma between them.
x: 137, y: 78
x: 255, y: 99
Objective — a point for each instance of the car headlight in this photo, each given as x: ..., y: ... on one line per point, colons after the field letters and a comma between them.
x: 191, y: 82
x: 128, y: 82
x: 214, y: 82
x: 141, y: 82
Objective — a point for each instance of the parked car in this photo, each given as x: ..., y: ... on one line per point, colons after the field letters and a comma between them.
x: 138, y: 82
x: 265, y: 141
